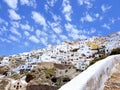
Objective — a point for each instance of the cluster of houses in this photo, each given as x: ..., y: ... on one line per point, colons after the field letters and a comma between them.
x: 78, y: 53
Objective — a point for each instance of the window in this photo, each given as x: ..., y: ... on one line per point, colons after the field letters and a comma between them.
x: 70, y: 67
x: 66, y: 71
x: 14, y: 86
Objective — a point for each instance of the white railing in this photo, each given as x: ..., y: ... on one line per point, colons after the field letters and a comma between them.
x: 95, y: 76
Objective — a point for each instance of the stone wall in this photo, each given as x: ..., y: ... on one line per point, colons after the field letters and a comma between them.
x: 41, y: 87
x: 95, y: 76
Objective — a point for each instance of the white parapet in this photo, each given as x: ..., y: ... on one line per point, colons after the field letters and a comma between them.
x: 95, y: 76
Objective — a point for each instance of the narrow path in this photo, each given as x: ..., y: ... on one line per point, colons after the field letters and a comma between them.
x: 113, y: 83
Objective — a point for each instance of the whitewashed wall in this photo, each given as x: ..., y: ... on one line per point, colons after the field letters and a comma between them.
x: 95, y: 76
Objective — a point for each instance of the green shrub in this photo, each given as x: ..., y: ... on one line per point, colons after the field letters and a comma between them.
x: 59, y: 82
x: 115, y: 51
x: 29, y: 77
x: 15, y: 76
x: 49, y: 72
x: 97, y: 59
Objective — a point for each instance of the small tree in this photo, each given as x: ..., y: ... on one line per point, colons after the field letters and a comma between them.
x: 29, y: 77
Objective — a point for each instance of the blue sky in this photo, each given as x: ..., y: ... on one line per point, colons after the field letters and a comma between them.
x: 32, y: 24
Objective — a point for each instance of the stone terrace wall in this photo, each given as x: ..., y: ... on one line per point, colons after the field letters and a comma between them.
x: 41, y: 87
x: 95, y: 76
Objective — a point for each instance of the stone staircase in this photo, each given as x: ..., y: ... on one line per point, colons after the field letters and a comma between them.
x: 113, y: 83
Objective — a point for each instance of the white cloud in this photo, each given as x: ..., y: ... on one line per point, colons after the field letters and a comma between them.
x: 93, y: 30
x: 13, y: 15
x: 5, y: 40
x: 72, y: 31
x: 39, y: 18
x: 58, y: 41
x: 112, y: 20
x: 53, y: 38
x: 97, y: 15
x: 3, y: 29
x: 14, y: 31
x: 46, y: 7
x: 63, y: 37
x: 88, y: 3
x: 51, y: 2
x: 67, y: 10
x: 34, y: 39
x: 101, y: 18
x: 88, y: 31
x: 15, y: 24
x: 28, y: 3
x: 87, y: 18
x: 81, y: 2
x: 105, y: 7
x: 26, y: 43
x: 107, y: 26
x: 12, y: 3
x: 13, y: 38
x: 56, y: 27
x: 82, y: 36
x: 74, y: 36
x: 2, y: 21
x: 26, y: 33
x: 38, y: 33
x: 55, y: 17
x: 57, y: 30
x: 44, y: 40
x: 26, y: 27
x: 71, y: 28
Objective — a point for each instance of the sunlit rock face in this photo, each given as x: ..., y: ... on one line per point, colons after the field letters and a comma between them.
x: 16, y: 85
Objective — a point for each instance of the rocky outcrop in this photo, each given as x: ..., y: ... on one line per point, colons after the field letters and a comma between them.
x: 15, y: 62
x: 3, y: 83
x: 16, y: 85
x: 4, y: 69
x: 52, y: 74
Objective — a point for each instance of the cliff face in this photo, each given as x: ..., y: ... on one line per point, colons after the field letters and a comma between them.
x: 56, y: 75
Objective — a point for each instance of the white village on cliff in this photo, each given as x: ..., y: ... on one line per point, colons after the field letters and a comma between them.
x: 70, y: 58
